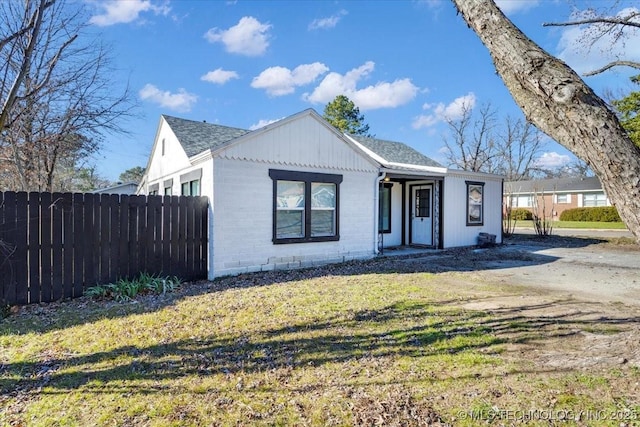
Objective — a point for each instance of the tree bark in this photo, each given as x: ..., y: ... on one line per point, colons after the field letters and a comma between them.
x: 555, y: 99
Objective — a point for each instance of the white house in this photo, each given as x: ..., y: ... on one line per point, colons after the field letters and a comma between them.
x: 298, y: 193
x: 119, y: 188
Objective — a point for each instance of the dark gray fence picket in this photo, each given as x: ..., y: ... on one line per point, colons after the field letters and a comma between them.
x: 55, y: 245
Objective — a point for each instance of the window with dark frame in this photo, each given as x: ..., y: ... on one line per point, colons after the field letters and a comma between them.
x: 190, y: 183
x: 423, y: 203
x: 191, y: 188
x: 153, y: 189
x: 168, y: 186
x: 306, y: 206
x: 475, y: 203
x: 384, y: 217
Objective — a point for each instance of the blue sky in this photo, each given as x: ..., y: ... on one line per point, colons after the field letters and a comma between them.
x: 405, y: 64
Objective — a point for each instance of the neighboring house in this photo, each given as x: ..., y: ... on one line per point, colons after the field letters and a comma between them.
x: 298, y: 193
x: 556, y: 195
x: 119, y: 188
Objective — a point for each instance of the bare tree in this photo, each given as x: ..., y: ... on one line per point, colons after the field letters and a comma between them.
x: 520, y: 144
x: 604, y: 23
x: 575, y: 169
x: 65, y: 101
x: 480, y: 144
x: 555, y: 99
x: 18, y: 45
x: 472, y: 145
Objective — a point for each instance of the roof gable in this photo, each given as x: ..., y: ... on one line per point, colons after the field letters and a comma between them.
x: 303, y: 139
x: 196, y: 137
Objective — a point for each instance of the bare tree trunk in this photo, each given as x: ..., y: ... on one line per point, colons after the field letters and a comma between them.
x: 34, y: 24
x: 555, y: 99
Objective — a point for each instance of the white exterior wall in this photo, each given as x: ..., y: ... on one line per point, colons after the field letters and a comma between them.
x: 455, y: 229
x: 395, y: 237
x: 242, y: 216
x: 243, y: 222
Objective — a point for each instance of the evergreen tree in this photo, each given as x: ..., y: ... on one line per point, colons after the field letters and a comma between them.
x: 343, y: 114
x: 132, y: 175
x: 629, y: 112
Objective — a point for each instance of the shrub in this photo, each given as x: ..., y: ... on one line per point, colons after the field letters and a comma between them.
x: 592, y: 214
x: 125, y: 290
x: 5, y: 310
x: 521, y: 214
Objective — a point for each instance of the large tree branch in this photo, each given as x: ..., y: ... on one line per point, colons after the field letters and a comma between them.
x: 5, y: 41
x: 51, y: 66
x: 600, y: 26
x: 26, y: 62
x: 626, y: 21
x: 26, y: 28
x: 631, y: 64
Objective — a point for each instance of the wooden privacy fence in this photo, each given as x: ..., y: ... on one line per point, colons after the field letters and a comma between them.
x: 55, y: 245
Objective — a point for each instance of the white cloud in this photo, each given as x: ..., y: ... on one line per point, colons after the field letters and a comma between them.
x: 249, y: 37
x: 380, y: 95
x: 262, y: 123
x: 509, y: 7
x: 385, y: 94
x: 573, y: 47
x: 433, y: 4
x: 219, y: 76
x: 552, y: 160
x: 441, y: 112
x: 181, y: 101
x: 326, y: 23
x: 278, y: 81
x: 122, y: 12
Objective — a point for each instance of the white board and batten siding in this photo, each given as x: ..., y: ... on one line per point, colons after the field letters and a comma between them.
x: 242, y: 210
x: 455, y: 229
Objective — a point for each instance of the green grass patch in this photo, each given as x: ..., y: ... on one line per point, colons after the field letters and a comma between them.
x: 330, y: 350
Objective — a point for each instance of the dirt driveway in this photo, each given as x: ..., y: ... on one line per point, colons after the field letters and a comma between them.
x: 586, y: 268
x: 581, y: 294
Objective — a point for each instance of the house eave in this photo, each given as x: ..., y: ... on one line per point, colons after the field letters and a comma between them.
x: 202, y: 157
x: 417, y: 170
x: 484, y: 175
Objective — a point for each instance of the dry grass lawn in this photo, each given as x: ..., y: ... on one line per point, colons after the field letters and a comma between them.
x: 378, y: 343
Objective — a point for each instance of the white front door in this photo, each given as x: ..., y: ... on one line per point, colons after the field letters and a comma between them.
x: 422, y: 215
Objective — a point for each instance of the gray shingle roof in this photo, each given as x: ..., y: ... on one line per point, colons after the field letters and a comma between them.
x: 558, y: 185
x: 197, y: 137
x: 395, y: 152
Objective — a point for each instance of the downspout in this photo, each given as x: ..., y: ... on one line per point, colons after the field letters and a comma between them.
x: 376, y: 209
